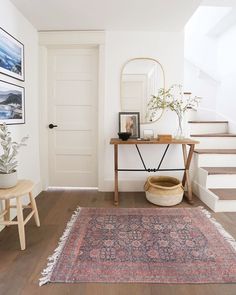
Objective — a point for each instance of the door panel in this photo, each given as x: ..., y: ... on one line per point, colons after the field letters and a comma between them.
x: 72, y: 105
x: 69, y: 88
x: 74, y: 62
x: 73, y: 138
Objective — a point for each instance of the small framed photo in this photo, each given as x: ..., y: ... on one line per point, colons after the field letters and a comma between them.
x: 11, y: 56
x: 148, y: 134
x: 130, y: 122
x: 12, y: 103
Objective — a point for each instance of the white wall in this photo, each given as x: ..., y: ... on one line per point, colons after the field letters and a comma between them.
x: 201, y: 84
x: 200, y: 47
x: 168, y: 49
x: 14, y: 22
x: 201, y: 70
x: 226, y: 99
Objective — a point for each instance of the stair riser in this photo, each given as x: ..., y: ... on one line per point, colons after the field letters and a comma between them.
x: 215, y: 160
x: 225, y: 206
x: 212, y: 201
x: 204, y: 128
x: 216, y: 142
x: 221, y: 181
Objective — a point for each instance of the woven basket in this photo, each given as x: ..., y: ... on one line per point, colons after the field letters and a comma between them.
x: 164, y: 190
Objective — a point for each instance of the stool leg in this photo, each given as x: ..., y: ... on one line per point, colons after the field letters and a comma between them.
x: 34, y: 208
x: 20, y: 220
x: 7, y: 207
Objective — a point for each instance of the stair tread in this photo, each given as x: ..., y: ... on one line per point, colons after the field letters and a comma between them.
x: 214, y: 135
x: 225, y: 193
x: 215, y: 151
x: 208, y: 122
x: 220, y: 170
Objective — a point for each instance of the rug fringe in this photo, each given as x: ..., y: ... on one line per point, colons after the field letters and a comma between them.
x: 220, y: 228
x: 47, y: 272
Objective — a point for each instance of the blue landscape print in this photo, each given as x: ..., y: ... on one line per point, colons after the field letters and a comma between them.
x: 10, y: 55
x: 11, y: 103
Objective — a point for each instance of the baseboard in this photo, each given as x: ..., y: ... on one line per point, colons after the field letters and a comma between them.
x: 124, y: 185
x: 205, y: 195
x: 37, y: 189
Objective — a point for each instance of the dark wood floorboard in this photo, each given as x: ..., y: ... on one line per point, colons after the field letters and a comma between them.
x: 20, y: 270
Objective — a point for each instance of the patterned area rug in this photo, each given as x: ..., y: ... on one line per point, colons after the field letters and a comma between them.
x: 157, y: 245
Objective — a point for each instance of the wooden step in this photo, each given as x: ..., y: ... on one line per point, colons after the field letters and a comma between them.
x: 216, y: 151
x: 225, y: 193
x: 206, y: 122
x: 214, y: 135
x: 220, y: 170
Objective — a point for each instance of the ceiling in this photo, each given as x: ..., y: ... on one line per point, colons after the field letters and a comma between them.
x: 220, y: 3
x: 154, y: 15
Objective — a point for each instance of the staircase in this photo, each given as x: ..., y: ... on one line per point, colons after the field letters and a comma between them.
x: 214, y: 171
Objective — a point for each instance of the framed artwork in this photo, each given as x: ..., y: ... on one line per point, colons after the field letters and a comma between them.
x: 12, y: 103
x: 130, y: 122
x: 11, y: 56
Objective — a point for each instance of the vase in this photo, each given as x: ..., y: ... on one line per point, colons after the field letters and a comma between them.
x: 8, y: 180
x: 180, y: 133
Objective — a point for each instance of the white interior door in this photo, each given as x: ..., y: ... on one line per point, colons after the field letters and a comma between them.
x: 72, y: 106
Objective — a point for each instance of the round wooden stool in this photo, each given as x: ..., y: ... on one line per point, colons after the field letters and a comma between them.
x: 23, y: 187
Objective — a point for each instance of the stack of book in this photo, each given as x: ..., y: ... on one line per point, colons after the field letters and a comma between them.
x: 164, y: 137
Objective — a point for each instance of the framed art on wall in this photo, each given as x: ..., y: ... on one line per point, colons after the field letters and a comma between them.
x: 11, y: 56
x: 12, y: 103
x: 130, y: 122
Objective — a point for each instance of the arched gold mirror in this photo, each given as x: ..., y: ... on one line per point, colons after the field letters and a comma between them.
x: 140, y: 79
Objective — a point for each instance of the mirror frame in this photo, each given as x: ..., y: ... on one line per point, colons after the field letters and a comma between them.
x: 164, y: 82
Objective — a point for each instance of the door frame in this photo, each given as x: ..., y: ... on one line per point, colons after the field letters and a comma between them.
x: 69, y: 39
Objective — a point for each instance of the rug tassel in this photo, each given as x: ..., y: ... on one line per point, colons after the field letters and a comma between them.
x: 220, y: 229
x: 47, y: 272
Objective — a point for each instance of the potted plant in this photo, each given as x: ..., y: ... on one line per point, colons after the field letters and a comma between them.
x: 8, y: 162
x: 177, y: 101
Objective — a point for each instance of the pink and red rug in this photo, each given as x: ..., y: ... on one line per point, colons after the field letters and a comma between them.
x: 163, y: 245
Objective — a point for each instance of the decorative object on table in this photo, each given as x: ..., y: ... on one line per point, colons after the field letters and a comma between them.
x: 164, y: 190
x: 177, y: 101
x: 8, y: 162
x: 148, y: 134
x: 11, y: 56
x: 124, y: 135
x: 154, y: 245
x: 12, y: 103
x: 140, y: 77
x: 129, y: 122
x: 164, y: 137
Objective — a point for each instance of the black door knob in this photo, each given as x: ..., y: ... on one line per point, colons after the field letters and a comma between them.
x: 51, y: 126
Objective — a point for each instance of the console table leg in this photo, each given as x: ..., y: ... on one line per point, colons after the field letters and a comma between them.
x: 116, y: 193
x: 186, y: 178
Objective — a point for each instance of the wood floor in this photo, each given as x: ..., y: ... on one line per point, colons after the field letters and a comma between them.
x: 20, y: 270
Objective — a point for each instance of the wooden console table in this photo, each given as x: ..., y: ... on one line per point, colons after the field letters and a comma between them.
x: 187, y: 157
